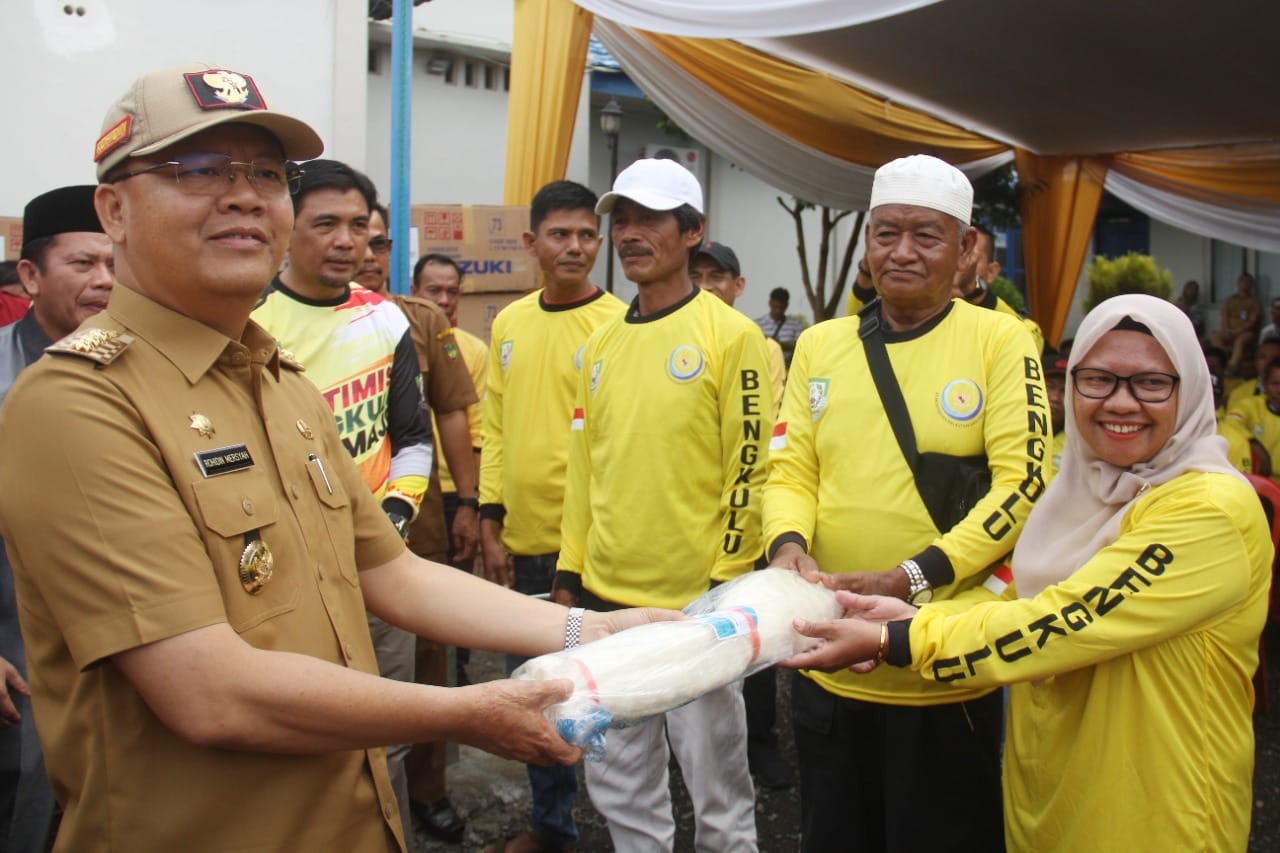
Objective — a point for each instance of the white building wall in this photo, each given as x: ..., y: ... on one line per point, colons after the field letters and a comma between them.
x: 64, y: 71
x: 459, y: 146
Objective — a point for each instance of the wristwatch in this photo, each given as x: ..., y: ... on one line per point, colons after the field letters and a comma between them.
x: 920, y: 591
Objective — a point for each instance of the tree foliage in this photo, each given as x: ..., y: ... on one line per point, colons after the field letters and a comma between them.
x: 1132, y: 273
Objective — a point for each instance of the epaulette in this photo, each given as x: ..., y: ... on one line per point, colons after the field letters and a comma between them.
x: 98, y: 345
x: 290, y: 360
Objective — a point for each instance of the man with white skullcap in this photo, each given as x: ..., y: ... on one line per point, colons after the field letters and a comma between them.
x: 889, y: 761
x: 662, y: 499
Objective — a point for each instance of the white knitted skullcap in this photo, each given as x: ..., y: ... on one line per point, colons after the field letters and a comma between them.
x: 924, y: 181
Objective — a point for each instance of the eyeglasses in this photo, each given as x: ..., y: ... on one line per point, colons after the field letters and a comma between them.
x: 380, y: 245
x: 210, y: 174
x: 1098, y: 384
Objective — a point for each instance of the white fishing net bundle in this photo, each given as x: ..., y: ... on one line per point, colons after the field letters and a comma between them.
x: 738, y: 628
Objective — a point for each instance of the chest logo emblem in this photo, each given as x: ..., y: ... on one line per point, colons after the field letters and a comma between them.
x: 685, y: 363
x: 256, y: 564
x: 304, y: 430
x: 961, y: 400
x: 202, y: 425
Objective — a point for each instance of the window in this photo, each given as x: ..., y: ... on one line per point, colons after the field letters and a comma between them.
x: 469, y: 73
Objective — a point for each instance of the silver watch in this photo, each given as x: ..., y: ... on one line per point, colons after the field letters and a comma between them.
x: 919, y: 591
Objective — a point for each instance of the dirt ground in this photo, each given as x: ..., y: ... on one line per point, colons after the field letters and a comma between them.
x: 494, y: 794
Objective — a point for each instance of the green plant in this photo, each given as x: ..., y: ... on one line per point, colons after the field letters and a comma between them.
x: 1008, y: 291
x: 1133, y: 273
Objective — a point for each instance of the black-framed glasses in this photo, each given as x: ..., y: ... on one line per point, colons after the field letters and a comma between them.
x: 1098, y: 384
x: 380, y: 245
x: 209, y: 174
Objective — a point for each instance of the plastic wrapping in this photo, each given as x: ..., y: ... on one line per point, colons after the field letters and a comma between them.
x: 738, y: 628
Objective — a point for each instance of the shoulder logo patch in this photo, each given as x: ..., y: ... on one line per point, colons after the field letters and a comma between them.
x: 596, y: 370
x: 504, y: 354
x: 818, y: 390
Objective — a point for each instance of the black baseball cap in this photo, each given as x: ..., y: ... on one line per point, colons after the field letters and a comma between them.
x: 722, y: 255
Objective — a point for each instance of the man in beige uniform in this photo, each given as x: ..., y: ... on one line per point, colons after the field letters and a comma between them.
x: 201, y: 670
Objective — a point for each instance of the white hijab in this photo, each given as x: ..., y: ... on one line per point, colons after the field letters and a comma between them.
x: 1081, y: 511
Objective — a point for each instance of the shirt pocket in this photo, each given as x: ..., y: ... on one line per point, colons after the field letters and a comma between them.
x: 236, y: 510
x: 336, y: 514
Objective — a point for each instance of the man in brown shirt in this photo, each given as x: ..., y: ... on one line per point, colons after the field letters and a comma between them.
x: 448, y: 391
x: 201, y: 670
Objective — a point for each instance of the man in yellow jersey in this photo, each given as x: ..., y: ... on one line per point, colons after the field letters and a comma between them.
x: 438, y: 278
x: 715, y: 268
x: 534, y: 362
x: 981, y: 269
x: 883, y: 754
x: 201, y: 636
x: 666, y: 462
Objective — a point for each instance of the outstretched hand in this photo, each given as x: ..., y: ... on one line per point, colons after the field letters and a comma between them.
x: 875, y: 608
x: 841, y: 643
x: 596, y: 626
x: 792, y: 556
x: 508, y: 721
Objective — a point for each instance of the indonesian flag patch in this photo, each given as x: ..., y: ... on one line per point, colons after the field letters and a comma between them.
x: 578, y: 420
x: 779, y: 439
x: 999, y: 580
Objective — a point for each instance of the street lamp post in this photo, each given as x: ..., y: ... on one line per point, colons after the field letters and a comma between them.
x: 611, y: 126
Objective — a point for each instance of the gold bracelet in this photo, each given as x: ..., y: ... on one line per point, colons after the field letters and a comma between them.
x: 884, y: 641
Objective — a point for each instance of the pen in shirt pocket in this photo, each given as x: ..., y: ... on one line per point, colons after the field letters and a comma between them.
x: 311, y: 457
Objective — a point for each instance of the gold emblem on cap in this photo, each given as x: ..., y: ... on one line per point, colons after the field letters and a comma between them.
x: 202, y: 425
x: 228, y: 86
x: 255, y: 566
x: 305, y: 430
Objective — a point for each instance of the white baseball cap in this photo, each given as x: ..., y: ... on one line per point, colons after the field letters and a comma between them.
x: 655, y: 184
x: 924, y: 181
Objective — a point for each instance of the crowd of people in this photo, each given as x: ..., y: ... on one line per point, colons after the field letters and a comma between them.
x: 280, y: 477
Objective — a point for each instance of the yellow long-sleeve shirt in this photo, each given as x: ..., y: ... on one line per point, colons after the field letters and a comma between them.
x: 534, y: 363
x: 475, y: 353
x: 1130, y: 716
x: 667, y: 454
x: 973, y: 385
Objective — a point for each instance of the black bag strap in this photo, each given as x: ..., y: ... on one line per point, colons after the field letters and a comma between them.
x: 895, y: 407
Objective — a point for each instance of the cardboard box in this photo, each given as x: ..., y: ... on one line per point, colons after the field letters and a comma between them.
x: 484, y: 239
x: 477, y: 310
x: 10, y: 237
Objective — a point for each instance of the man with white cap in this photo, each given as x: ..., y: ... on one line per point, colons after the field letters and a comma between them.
x: 889, y: 762
x: 662, y: 499
x: 201, y: 668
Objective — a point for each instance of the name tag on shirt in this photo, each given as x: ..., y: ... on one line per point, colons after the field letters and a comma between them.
x: 223, y: 460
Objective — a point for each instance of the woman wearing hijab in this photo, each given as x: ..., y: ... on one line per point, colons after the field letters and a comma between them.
x: 1130, y: 629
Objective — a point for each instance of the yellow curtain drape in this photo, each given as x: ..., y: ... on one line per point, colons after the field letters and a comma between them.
x: 1237, y: 175
x: 817, y: 110
x: 1058, y: 209
x: 548, y: 55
